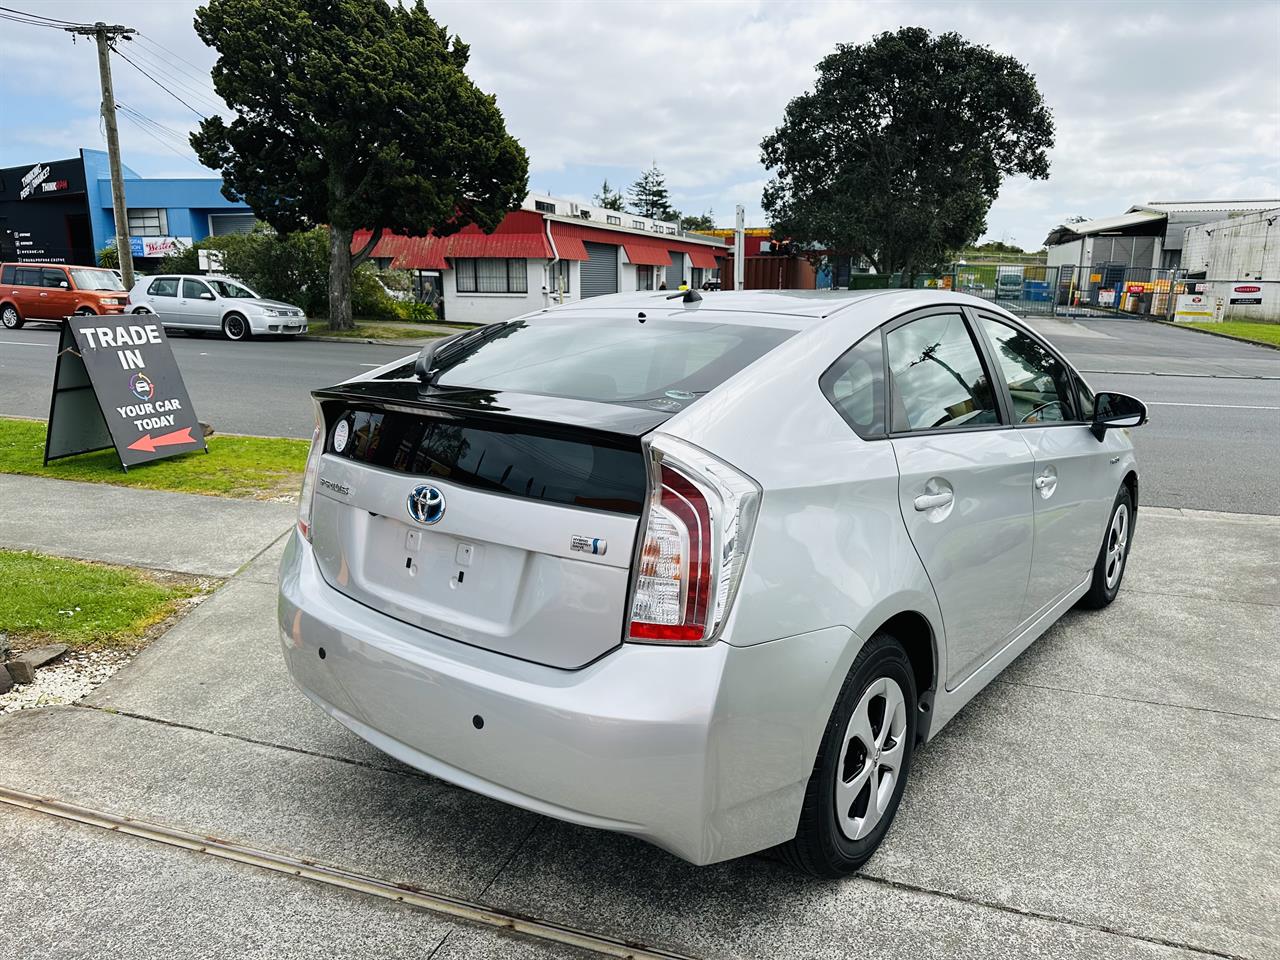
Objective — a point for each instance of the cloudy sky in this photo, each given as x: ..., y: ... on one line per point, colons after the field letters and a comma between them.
x: 1153, y: 101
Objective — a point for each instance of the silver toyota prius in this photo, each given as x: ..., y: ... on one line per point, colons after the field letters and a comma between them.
x: 704, y: 570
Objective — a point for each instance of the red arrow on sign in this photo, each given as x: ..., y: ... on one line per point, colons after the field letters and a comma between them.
x: 148, y: 443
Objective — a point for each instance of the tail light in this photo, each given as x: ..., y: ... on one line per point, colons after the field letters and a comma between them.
x: 700, y: 518
x: 308, y: 493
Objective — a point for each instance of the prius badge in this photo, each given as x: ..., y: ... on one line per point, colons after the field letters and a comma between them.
x: 425, y: 504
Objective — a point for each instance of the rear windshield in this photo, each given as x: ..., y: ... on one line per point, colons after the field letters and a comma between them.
x: 658, y: 362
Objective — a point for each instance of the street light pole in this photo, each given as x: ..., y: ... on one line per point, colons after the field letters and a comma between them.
x: 103, y: 34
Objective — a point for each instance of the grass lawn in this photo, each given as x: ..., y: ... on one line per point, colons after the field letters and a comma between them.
x: 88, y: 606
x: 247, y: 468
x: 1246, y: 330
x: 373, y: 330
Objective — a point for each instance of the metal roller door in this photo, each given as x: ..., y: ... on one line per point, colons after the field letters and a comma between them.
x: 226, y: 224
x: 675, y: 272
x: 600, y: 270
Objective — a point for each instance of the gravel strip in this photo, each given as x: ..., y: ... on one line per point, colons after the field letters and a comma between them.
x: 66, y: 681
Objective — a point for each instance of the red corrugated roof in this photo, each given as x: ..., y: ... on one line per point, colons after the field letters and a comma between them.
x: 700, y: 256
x: 522, y: 233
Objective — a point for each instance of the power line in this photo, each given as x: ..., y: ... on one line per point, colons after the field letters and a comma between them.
x: 178, y: 82
x: 159, y: 127
x: 177, y: 60
x: 126, y: 59
x: 129, y: 116
x: 40, y: 16
x: 30, y: 23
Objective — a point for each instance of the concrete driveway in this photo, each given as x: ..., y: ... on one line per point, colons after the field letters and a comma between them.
x: 1115, y: 794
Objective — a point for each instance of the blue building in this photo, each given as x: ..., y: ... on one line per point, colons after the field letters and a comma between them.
x: 61, y: 212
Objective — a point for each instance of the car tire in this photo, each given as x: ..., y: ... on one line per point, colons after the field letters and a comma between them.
x: 1113, y: 555
x: 142, y: 311
x: 834, y: 839
x: 86, y: 312
x: 235, y: 327
x: 10, y: 318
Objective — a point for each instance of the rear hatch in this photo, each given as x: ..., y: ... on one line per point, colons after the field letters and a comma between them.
x: 506, y: 518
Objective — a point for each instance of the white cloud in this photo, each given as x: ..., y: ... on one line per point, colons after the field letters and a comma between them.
x: 1151, y: 101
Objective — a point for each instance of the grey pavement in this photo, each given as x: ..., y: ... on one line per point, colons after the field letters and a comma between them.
x: 186, y: 533
x: 1107, y: 797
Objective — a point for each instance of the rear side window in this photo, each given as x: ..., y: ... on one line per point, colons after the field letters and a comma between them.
x: 28, y: 277
x: 854, y: 385
x: 662, y: 364
x: 164, y: 287
x: 7, y: 274
x: 937, y: 378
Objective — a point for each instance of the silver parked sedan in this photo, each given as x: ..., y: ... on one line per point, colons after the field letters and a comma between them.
x: 701, y: 570
x: 209, y: 304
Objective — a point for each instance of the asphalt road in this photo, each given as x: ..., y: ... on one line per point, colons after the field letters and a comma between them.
x: 260, y: 387
x: 1212, y: 442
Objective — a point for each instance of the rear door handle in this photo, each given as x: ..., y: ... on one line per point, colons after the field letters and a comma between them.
x: 928, y: 501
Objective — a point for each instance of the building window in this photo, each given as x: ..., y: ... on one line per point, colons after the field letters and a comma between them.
x: 638, y: 224
x: 558, y: 276
x: 149, y: 222
x: 544, y: 206
x: 695, y: 277
x: 492, y: 275
x: 644, y: 278
x: 614, y: 219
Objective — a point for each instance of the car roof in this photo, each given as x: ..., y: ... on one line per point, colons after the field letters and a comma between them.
x: 791, y: 309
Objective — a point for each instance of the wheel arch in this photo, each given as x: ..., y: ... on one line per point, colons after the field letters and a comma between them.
x: 913, y: 630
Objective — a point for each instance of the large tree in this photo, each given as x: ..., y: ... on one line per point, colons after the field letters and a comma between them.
x: 649, y: 195
x: 355, y: 114
x: 609, y: 198
x: 899, y: 150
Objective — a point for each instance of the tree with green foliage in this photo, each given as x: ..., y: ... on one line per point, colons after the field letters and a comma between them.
x: 898, y: 152
x: 609, y: 198
x: 649, y: 196
x: 701, y: 221
x: 353, y: 114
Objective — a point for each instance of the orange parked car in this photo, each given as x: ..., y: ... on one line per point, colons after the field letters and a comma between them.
x: 50, y: 291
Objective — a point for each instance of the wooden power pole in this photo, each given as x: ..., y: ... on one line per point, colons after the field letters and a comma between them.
x: 104, y: 34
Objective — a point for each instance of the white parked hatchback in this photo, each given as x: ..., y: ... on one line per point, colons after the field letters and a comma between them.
x: 207, y: 304
x: 701, y: 570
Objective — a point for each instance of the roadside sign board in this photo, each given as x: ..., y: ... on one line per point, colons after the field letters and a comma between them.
x: 1193, y: 306
x: 117, y: 384
x: 1246, y: 294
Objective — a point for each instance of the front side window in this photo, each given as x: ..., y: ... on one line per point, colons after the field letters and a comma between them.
x: 193, y: 289
x: 148, y: 222
x: 492, y: 275
x: 937, y: 381
x: 1039, y: 383
x: 53, y: 278
x: 854, y: 385
x: 225, y: 288
x: 163, y: 287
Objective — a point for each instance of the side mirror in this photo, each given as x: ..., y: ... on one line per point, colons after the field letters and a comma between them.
x: 1116, y: 410
x: 206, y: 295
x: 64, y: 285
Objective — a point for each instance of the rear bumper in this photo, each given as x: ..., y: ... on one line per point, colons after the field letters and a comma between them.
x: 703, y: 751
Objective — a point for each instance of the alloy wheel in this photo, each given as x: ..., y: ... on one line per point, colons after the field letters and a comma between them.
x: 871, y: 759
x: 235, y: 327
x: 1117, y: 541
x: 9, y: 318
